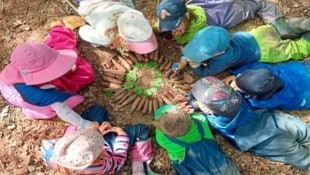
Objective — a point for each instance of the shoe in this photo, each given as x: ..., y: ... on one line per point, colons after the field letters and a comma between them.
x: 142, y: 168
x: 283, y: 30
x: 306, y: 36
x: 299, y: 25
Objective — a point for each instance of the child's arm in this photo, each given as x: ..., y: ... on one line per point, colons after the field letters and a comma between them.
x: 120, y: 148
x: 67, y: 114
x: 61, y: 37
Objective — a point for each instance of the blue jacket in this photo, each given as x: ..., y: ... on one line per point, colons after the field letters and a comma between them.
x: 243, y: 49
x: 295, y: 94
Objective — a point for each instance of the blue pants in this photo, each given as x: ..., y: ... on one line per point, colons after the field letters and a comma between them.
x: 135, y: 132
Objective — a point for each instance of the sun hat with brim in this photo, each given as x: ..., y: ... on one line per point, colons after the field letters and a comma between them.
x: 79, y: 149
x: 137, y: 31
x: 176, y: 9
x: 144, y: 47
x: 207, y: 43
x: 259, y: 83
x: 220, y: 98
x: 35, y: 63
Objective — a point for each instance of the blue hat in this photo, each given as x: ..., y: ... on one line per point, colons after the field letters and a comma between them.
x: 259, y: 83
x: 207, y: 43
x: 175, y: 11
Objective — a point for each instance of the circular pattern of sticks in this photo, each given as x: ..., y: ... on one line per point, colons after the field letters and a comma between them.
x: 144, y: 82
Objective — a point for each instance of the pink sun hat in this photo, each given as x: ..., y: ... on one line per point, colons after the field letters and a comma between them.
x: 137, y: 31
x: 35, y: 63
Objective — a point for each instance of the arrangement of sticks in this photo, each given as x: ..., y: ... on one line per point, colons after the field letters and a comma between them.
x: 173, y: 83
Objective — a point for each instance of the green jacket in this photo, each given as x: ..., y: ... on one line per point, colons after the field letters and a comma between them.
x: 198, y: 22
x: 177, y: 152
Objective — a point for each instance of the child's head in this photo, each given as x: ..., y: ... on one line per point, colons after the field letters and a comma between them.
x: 35, y: 63
x: 137, y: 32
x: 258, y: 83
x: 172, y: 121
x: 78, y: 150
x: 218, y: 97
x: 170, y: 14
x: 206, y: 44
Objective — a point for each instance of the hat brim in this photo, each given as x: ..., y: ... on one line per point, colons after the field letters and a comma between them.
x: 144, y: 47
x: 170, y: 25
x: 62, y: 64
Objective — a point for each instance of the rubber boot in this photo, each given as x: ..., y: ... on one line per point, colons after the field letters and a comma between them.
x: 306, y: 36
x: 299, y: 25
x: 283, y: 30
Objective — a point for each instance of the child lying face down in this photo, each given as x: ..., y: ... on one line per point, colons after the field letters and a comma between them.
x: 267, y: 133
x: 116, y: 24
x: 213, y: 49
x: 273, y: 86
x: 190, y: 143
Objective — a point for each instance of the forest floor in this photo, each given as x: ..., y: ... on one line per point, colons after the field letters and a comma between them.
x: 26, y: 20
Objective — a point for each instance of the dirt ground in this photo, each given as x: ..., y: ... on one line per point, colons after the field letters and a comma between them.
x: 25, y: 20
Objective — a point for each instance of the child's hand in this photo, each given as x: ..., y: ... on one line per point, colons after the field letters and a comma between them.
x: 228, y: 80
x: 94, y: 125
x: 118, y: 130
x: 180, y: 98
x: 204, y: 108
x: 194, y: 64
x: 177, y: 67
x: 105, y: 128
x: 56, y: 23
x: 73, y: 22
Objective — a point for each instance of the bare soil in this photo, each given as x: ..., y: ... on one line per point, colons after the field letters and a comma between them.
x: 25, y: 20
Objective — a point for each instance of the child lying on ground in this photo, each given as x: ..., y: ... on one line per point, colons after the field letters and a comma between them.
x: 281, y: 86
x: 101, y: 150
x: 184, y: 20
x: 270, y: 134
x: 39, y: 75
x: 190, y: 144
x: 116, y: 24
x: 213, y: 50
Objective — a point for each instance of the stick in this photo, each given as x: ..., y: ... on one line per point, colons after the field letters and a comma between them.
x: 74, y: 8
x: 129, y: 100
x: 135, y: 104
x: 124, y: 63
x: 112, y: 85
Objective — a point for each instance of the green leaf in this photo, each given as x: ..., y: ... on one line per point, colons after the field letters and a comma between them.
x: 147, y: 92
x: 153, y: 90
x: 131, y: 77
x: 138, y: 90
x: 109, y: 93
x: 157, y: 82
x: 158, y: 74
x: 128, y: 85
x: 152, y: 65
x: 139, y: 65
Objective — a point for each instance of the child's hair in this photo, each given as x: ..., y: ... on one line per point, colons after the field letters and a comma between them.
x: 174, y: 122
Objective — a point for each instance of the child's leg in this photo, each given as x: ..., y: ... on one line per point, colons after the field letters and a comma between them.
x: 287, y: 141
x: 96, y: 113
x: 137, y: 132
x: 141, y: 146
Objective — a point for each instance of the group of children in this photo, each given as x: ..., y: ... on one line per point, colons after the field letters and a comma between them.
x: 44, y: 80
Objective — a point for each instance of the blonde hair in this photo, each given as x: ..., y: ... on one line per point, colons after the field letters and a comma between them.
x: 174, y: 123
